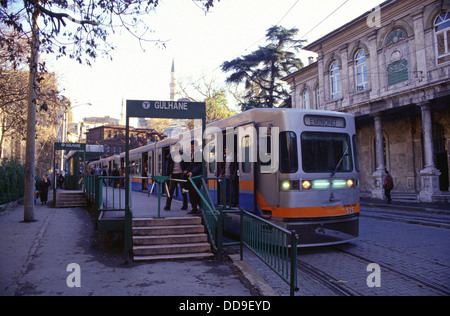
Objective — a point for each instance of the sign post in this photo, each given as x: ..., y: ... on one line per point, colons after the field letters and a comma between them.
x: 155, y: 109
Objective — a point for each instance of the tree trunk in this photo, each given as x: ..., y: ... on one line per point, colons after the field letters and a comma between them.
x: 31, y: 123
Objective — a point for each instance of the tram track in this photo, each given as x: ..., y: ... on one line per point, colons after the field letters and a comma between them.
x: 441, y: 289
x: 334, y: 285
x: 343, y: 288
x: 417, y: 218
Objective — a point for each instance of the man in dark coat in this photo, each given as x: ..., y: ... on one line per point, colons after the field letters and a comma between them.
x: 229, y: 168
x: 194, y: 169
x: 176, y: 172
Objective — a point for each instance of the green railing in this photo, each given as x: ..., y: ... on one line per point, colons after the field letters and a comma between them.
x: 275, y: 246
x: 213, y: 217
x: 105, y: 194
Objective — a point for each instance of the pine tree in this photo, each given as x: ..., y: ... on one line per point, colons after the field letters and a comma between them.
x: 261, y: 71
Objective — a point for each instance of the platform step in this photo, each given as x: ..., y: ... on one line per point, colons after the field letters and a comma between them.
x: 169, y: 238
x: 169, y: 221
x: 168, y: 230
x: 174, y: 257
x: 70, y: 199
x: 171, y: 249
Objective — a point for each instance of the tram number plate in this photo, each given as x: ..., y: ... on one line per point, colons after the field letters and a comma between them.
x: 350, y: 208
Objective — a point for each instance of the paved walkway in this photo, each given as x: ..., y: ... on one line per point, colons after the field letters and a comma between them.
x: 36, y: 257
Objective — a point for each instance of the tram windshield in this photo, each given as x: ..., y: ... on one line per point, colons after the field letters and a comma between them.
x: 326, y: 152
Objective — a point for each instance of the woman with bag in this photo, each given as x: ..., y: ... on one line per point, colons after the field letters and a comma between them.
x: 44, y: 184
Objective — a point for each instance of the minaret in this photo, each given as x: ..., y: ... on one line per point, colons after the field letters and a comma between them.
x: 173, y: 82
x: 122, y: 112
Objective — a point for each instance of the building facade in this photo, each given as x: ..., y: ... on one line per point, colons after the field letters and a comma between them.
x: 112, y: 137
x: 389, y: 67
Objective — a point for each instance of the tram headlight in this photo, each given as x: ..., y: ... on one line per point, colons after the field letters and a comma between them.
x: 350, y: 183
x: 289, y: 185
x: 306, y: 185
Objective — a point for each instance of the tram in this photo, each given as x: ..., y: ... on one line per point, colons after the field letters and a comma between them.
x: 296, y: 168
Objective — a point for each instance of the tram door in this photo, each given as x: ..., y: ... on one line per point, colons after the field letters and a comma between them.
x: 246, y: 155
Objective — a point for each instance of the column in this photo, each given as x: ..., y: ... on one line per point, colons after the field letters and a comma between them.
x: 373, y: 68
x: 429, y: 176
x: 378, y: 175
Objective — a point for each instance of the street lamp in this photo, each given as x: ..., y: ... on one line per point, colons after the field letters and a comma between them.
x: 66, y: 111
x: 65, y: 131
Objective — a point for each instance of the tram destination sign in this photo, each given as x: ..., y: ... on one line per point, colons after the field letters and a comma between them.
x: 324, y: 121
x: 166, y: 109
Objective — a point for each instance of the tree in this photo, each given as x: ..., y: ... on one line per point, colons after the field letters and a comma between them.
x: 215, y: 99
x: 261, y: 71
x: 52, y: 27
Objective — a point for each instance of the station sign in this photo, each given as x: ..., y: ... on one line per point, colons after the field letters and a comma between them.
x: 166, y: 109
x: 70, y: 146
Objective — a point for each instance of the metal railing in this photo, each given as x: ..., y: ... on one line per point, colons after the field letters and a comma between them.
x: 275, y: 246
x: 104, y: 192
x: 213, y: 217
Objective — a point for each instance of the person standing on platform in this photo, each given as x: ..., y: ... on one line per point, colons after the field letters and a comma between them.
x: 176, y: 172
x: 194, y: 169
x: 229, y: 168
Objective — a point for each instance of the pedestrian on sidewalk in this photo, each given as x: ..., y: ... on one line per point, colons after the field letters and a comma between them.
x: 44, y: 184
x: 176, y: 172
x: 388, y: 186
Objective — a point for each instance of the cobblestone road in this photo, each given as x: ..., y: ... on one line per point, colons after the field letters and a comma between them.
x: 421, y: 254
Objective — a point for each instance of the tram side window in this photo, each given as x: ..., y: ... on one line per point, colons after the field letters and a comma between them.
x: 246, y: 165
x: 325, y: 152
x: 266, y: 148
x: 150, y: 164
x: 212, y: 159
x: 288, y: 152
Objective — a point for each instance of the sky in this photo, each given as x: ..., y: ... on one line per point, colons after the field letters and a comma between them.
x: 198, y: 43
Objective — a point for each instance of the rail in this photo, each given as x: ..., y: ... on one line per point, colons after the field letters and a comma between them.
x: 213, y: 217
x: 275, y: 246
x: 94, y: 186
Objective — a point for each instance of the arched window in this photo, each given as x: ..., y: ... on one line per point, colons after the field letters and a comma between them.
x: 335, y: 81
x: 318, y: 105
x: 306, y: 100
x: 362, y: 82
x: 442, y: 32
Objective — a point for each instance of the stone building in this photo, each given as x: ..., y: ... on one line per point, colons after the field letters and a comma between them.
x: 390, y: 67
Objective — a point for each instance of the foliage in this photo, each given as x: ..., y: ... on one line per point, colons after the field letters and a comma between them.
x: 13, y: 102
x: 214, y: 96
x: 80, y: 28
x: 261, y: 71
x: 12, y: 177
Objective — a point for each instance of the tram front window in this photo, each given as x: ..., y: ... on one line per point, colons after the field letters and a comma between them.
x: 288, y: 152
x: 326, y: 152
